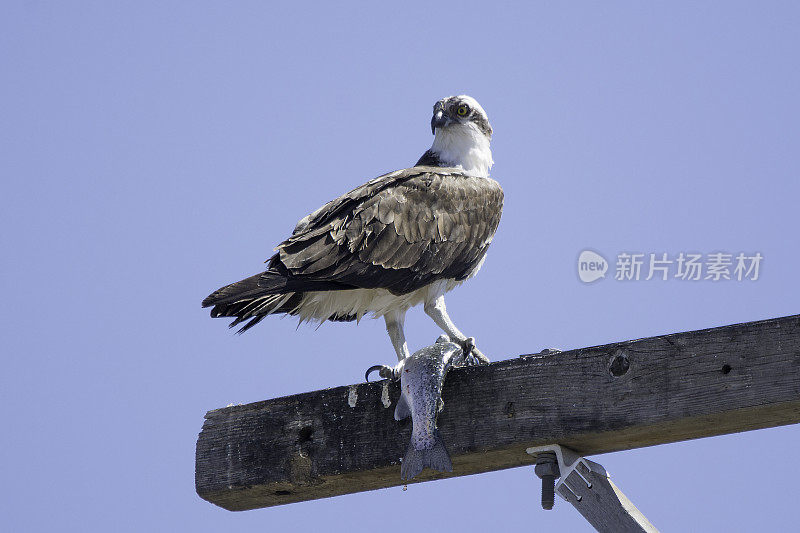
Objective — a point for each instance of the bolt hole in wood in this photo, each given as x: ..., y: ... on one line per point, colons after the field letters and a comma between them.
x: 305, y: 434
x: 726, y: 368
x: 619, y: 364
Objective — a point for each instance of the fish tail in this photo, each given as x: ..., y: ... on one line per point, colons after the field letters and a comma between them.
x: 435, y: 457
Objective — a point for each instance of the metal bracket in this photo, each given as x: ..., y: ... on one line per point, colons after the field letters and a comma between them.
x: 586, y: 485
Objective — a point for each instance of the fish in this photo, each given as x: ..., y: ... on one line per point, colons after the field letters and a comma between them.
x: 421, y: 379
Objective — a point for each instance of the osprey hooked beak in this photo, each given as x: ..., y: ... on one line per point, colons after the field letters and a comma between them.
x: 440, y: 119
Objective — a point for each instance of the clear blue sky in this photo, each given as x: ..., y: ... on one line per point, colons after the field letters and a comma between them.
x: 153, y: 151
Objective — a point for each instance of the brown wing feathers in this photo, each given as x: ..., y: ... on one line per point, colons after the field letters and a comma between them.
x: 400, y: 232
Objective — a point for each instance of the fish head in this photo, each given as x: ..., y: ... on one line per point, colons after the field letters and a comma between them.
x: 442, y: 339
x: 451, y: 352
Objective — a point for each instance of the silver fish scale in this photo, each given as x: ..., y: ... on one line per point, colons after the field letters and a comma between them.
x: 422, y: 378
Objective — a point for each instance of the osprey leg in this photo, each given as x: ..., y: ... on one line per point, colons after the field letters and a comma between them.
x: 437, y: 310
x: 394, y: 326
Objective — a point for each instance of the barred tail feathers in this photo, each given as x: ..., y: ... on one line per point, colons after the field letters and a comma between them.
x: 249, y: 300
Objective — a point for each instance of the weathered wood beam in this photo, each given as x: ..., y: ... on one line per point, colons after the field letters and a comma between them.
x: 594, y: 400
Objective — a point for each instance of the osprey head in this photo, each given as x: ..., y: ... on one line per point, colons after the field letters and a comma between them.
x: 462, y: 135
x: 460, y: 111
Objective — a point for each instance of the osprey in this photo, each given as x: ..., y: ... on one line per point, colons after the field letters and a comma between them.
x: 399, y: 240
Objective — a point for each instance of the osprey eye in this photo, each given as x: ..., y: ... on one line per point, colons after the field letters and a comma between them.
x: 462, y: 110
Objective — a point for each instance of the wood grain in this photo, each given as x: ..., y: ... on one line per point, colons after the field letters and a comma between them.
x: 594, y: 400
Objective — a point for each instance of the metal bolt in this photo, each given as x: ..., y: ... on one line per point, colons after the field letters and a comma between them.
x: 547, y: 469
